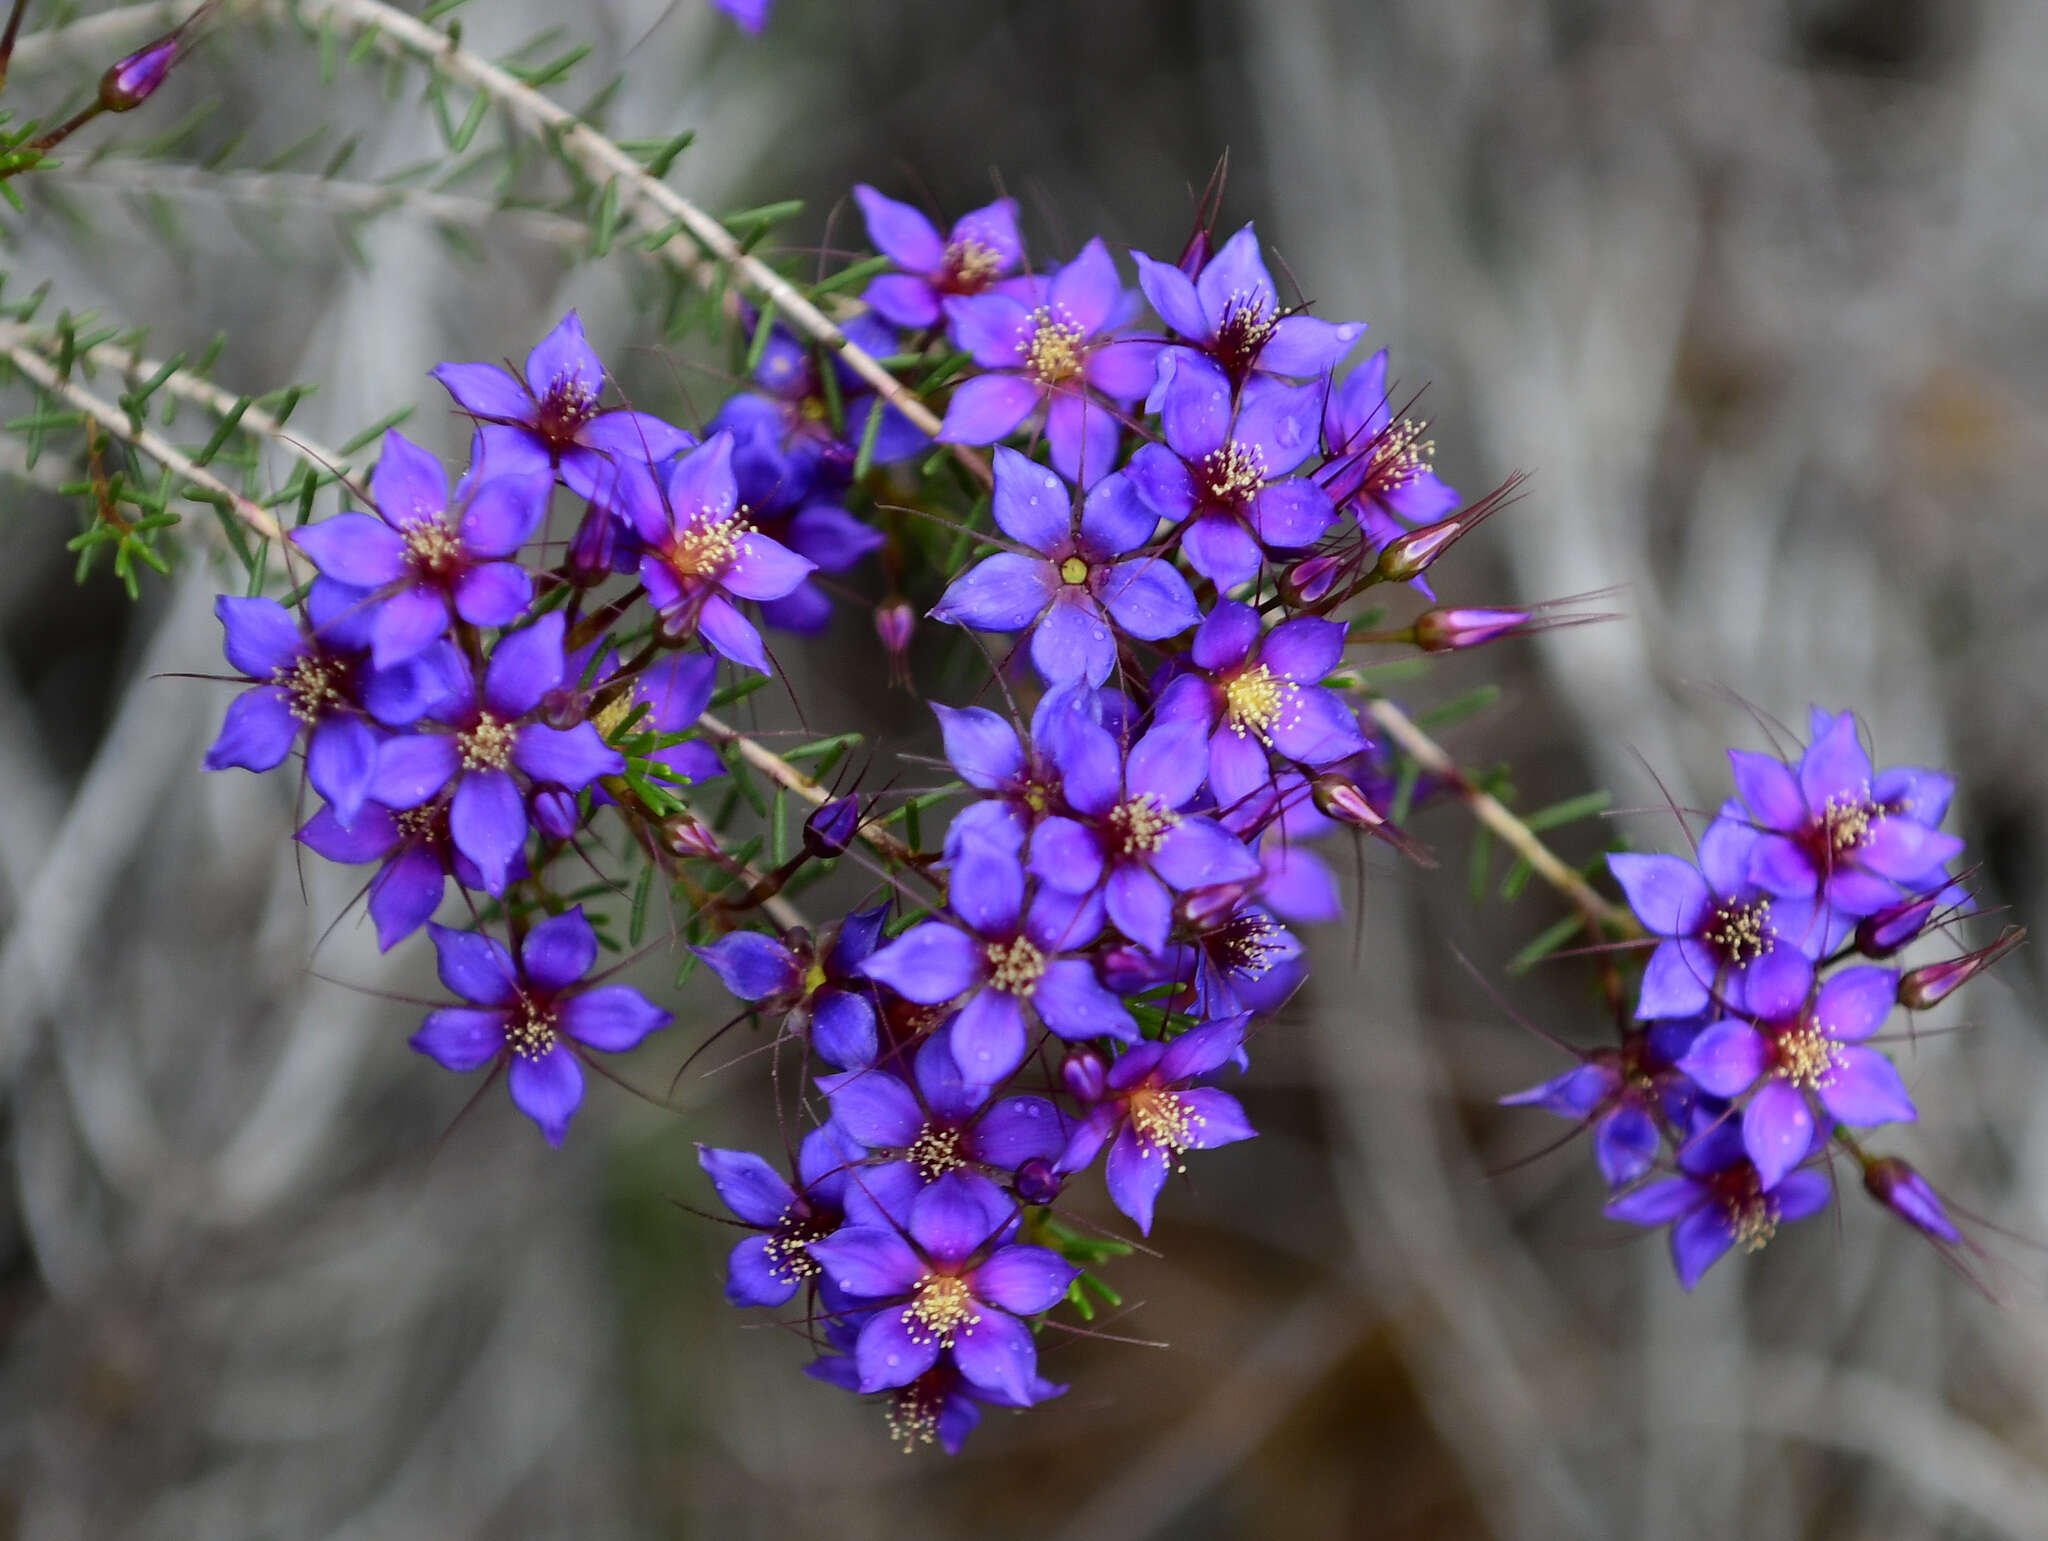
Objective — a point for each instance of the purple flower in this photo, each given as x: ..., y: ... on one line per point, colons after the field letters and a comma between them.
x: 550, y: 421
x: 1725, y: 938
x: 677, y: 691
x: 416, y: 857
x: 982, y: 247
x: 1154, y: 1114
x: 1018, y: 777
x: 940, y: 1406
x: 949, y: 1287
x: 1230, y: 313
x: 824, y: 988
x: 495, y: 753
x: 419, y: 567
x: 1070, y: 590
x: 1815, y: 1054
x: 1254, y: 691
x: 700, y: 554
x: 918, y: 1131
x: 1599, y: 1094
x: 305, y: 680
x: 519, y: 1015
x: 1248, y: 962
x: 768, y: 1268
x: 751, y: 15
x: 1378, y: 466
x: 1127, y: 834
x: 1223, y: 474
x: 1718, y: 1201
x: 1838, y: 827
x: 1056, y: 356
x: 995, y: 956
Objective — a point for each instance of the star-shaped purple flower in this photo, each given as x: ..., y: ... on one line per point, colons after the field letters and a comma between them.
x: 1224, y: 474
x: 768, y: 1268
x: 550, y: 421
x: 824, y: 988
x: 494, y: 750
x: 1378, y: 466
x: 1153, y: 1114
x: 1070, y: 592
x: 415, y: 854
x: 994, y: 956
x: 950, y: 1286
x: 982, y: 247
x: 535, y: 1016
x: 1230, y: 312
x: 1818, y: 1054
x: 1057, y: 356
x: 940, y: 1407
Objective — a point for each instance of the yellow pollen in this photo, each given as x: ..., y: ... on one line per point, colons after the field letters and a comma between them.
x: 1847, y: 819
x: 1234, y: 472
x: 1755, y: 1219
x: 1164, y: 1121
x: 1808, y: 1057
x: 1248, y: 946
x: 568, y: 404
x: 1052, y: 347
x: 431, y: 546
x: 488, y: 745
x: 969, y: 265
x: 1073, y: 570
x: 1015, y: 966
x: 1246, y: 324
x: 940, y: 1307
x: 311, y: 686
x: 1256, y: 701
x: 1399, y: 455
x: 936, y: 1151
x: 708, y: 544
x: 612, y: 714
x: 788, y: 1247
x: 1742, y: 933
x: 530, y: 1033
x: 1141, y: 825
x: 913, y: 1416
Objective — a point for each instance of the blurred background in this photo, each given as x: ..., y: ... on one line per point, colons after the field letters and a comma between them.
x: 1757, y: 289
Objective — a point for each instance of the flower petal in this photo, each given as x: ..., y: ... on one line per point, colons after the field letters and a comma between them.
x: 1072, y: 1002
x: 611, y: 1018
x: 547, y: 1090
x: 749, y: 1187
x: 989, y: 1037
x: 559, y: 951
x: 1031, y: 505
x: 1668, y: 895
x: 565, y: 757
x: 487, y: 821
x: 1866, y: 1089
x: 754, y: 967
x: 988, y: 407
x: 459, y: 1038
x: 1004, y: 592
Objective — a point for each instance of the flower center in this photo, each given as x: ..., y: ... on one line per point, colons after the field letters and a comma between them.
x: 1248, y: 946
x: 420, y: 824
x: 707, y: 545
x: 1399, y: 454
x: 968, y: 266
x: 1052, y: 346
x: 312, y: 686
x: 1015, y: 966
x: 567, y: 406
x: 1140, y: 825
x: 941, y: 1306
x: 1231, y: 475
x: 936, y: 1151
x: 1752, y: 1213
x: 788, y: 1246
x: 1742, y: 933
x: 913, y: 1413
x: 1247, y: 323
x: 431, y: 547
x: 1074, y: 571
x: 1255, y: 701
x: 1845, y: 823
x: 1808, y: 1057
x: 530, y: 1033
x: 1164, y: 1121
x: 488, y: 745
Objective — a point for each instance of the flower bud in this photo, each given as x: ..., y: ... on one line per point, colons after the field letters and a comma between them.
x: 1408, y: 556
x: 895, y: 623
x: 1037, y: 1182
x: 1882, y: 934
x: 829, y: 831
x: 1932, y: 984
x: 1085, y: 1075
x: 1337, y: 797
x: 592, y: 547
x: 683, y: 835
x: 1310, y: 580
x: 1911, y: 1197
x: 555, y: 811
x: 1441, y: 631
x: 130, y: 82
x: 1204, y: 909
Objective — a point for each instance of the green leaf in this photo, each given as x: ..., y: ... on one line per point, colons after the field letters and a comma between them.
x: 1457, y: 710
x: 1570, y: 811
x: 1547, y: 942
x: 636, y: 927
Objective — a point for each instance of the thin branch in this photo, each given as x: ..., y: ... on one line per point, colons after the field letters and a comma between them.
x: 782, y: 773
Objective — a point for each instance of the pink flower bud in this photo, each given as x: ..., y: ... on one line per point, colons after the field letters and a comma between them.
x: 1441, y: 631
x: 895, y: 624
x: 1086, y: 1077
x: 1911, y: 1197
x: 685, y: 836
x: 1205, y: 909
x: 1337, y: 797
x: 130, y: 83
x: 1307, y: 582
x: 1037, y: 1182
x: 1934, y: 983
x: 1882, y: 934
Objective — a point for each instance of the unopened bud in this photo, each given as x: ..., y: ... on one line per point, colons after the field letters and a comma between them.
x: 829, y: 831
x: 1408, y: 556
x: 1310, y: 580
x: 1085, y: 1075
x: 1911, y: 1197
x: 1441, y: 631
x: 1204, y: 909
x: 1882, y: 934
x: 895, y: 624
x: 1934, y: 983
x: 593, y: 546
x: 683, y: 835
x: 1195, y: 255
x: 1337, y: 797
x: 1037, y: 1182
x: 130, y: 83
x: 555, y: 811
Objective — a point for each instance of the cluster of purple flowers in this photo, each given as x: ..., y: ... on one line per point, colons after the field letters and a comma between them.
x: 1753, y: 1058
